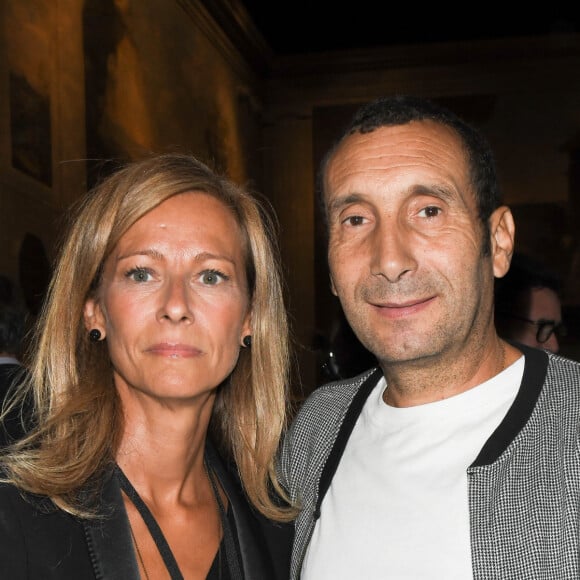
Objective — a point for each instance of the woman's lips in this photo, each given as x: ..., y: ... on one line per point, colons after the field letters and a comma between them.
x: 174, y: 350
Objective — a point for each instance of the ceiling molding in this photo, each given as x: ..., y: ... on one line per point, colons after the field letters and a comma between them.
x: 229, y: 26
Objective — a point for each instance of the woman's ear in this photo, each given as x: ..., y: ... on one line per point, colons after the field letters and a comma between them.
x: 93, y: 315
x: 247, y: 324
x: 502, y: 230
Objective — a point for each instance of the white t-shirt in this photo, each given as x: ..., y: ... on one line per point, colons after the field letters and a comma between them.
x: 397, y: 507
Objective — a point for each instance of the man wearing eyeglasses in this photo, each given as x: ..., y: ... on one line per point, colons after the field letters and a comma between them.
x: 527, y: 305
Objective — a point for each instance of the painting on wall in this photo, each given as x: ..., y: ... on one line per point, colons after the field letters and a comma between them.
x: 30, y: 130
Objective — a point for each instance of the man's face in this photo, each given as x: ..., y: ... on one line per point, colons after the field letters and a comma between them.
x: 405, y: 242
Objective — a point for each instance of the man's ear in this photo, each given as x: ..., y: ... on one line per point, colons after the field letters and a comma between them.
x: 332, y: 286
x: 502, y: 231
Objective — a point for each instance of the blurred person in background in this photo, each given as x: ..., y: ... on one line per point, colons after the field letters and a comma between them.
x: 528, y: 309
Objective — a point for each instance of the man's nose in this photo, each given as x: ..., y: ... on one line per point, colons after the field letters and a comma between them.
x: 392, y: 255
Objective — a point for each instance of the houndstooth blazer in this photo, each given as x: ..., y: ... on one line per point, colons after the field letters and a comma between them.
x: 524, y: 486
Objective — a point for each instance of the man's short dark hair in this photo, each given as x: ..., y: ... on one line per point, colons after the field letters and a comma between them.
x: 402, y: 109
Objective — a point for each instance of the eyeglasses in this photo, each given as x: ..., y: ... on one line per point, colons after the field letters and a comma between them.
x: 545, y: 327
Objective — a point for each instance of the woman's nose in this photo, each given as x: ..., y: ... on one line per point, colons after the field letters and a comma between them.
x: 176, y: 302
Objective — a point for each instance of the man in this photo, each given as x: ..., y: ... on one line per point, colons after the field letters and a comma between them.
x: 527, y: 304
x: 458, y: 456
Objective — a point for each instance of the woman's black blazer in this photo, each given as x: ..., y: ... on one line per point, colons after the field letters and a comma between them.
x: 41, y: 542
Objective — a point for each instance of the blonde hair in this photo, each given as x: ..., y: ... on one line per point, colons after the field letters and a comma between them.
x: 78, y: 416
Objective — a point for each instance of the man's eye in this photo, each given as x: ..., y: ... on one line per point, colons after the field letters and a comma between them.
x: 139, y: 274
x: 213, y: 277
x: 355, y: 220
x: 430, y: 211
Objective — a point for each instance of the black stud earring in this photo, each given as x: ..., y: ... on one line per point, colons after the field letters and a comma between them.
x: 247, y: 341
x: 95, y: 335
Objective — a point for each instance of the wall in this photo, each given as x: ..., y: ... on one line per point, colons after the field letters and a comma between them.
x: 87, y: 82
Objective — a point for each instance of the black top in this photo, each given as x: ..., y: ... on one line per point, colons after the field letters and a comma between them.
x: 44, y: 542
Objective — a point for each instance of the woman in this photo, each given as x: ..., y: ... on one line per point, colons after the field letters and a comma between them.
x: 160, y: 360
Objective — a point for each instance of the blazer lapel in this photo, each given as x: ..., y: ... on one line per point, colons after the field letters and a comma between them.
x: 109, y: 537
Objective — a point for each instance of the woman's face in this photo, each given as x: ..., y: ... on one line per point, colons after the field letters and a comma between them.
x: 173, y: 303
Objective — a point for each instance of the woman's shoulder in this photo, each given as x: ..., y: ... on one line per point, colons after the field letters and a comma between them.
x: 43, y: 541
x: 32, y: 515
x: 23, y: 504
x: 11, y: 495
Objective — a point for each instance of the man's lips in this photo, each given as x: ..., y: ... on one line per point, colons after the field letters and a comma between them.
x: 174, y: 350
x: 401, y: 309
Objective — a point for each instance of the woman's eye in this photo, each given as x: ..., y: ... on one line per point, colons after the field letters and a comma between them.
x: 430, y: 211
x: 213, y: 277
x: 139, y: 274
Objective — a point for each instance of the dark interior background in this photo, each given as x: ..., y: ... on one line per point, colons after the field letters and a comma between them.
x: 308, y: 27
